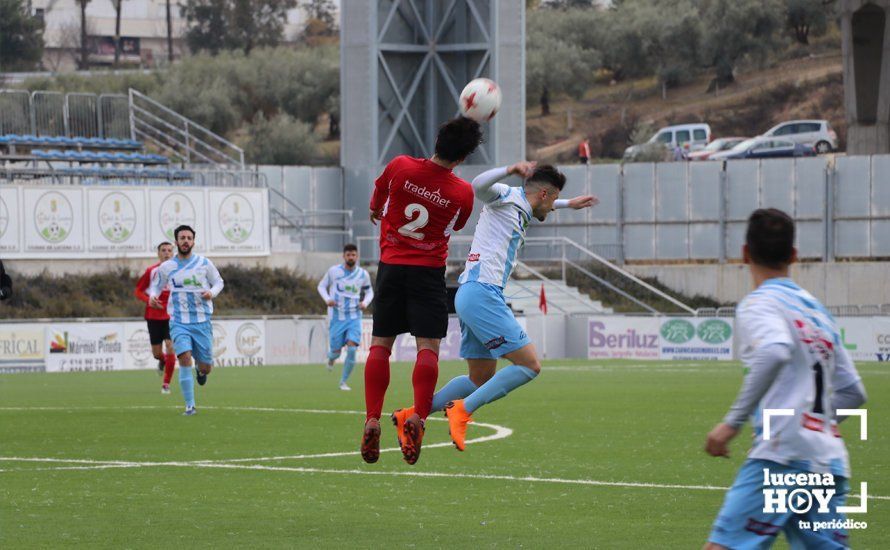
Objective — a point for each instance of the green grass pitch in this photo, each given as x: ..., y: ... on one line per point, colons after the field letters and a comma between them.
x: 231, y: 477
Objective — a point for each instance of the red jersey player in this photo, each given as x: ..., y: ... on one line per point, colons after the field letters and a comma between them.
x: 418, y: 203
x: 157, y: 319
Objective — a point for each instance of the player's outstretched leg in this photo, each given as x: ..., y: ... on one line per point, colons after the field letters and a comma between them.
x: 348, y: 365
x: 376, y: 383
x: 509, y: 378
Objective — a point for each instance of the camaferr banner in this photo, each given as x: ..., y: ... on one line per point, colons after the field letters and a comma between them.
x: 697, y: 338
x: 239, y: 343
x: 82, y: 222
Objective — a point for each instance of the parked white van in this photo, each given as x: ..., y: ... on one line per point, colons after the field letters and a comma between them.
x: 686, y: 137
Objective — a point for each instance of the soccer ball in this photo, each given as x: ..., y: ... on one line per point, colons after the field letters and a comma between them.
x: 480, y: 100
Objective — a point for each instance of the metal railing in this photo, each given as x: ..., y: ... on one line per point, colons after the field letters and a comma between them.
x: 179, y: 136
x: 43, y: 113
x: 308, y: 224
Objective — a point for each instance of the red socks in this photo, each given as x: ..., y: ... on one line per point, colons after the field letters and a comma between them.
x: 169, y: 366
x: 376, y: 380
x: 426, y: 373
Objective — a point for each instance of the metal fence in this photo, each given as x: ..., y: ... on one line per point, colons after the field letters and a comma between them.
x: 44, y: 113
x: 197, y: 178
x: 699, y: 210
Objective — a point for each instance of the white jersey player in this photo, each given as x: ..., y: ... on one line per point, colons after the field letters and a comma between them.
x: 796, y: 361
x: 488, y: 328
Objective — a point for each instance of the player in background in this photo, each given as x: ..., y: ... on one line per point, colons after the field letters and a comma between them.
x: 157, y: 319
x: 193, y: 283
x: 794, y: 358
x: 418, y: 202
x: 341, y: 288
x: 489, y: 329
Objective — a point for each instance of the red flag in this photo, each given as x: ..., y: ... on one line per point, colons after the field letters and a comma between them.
x: 542, y: 302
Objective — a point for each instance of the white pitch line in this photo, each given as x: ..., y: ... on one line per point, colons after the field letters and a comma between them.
x: 439, y: 475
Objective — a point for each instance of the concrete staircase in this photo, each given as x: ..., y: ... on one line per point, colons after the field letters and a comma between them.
x: 524, y: 295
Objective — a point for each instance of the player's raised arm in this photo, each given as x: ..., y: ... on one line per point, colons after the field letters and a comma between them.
x: 486, y: 186
x: 578, y: 203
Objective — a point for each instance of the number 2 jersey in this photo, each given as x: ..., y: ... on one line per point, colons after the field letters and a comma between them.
x: 422, y: 204
x: 781, y: 313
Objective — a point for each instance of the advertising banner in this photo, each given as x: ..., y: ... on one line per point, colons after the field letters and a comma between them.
x: 116, y: 220
x: 74, y: 347
x: 239, y: 343
x: 170, y: 209
x: 237, y: 220
x: 22, y: 348
x: 866, y: 338
x: 137, y: 347
x: 696, y: 338
x: 611, y: 337
x: 52, y: 220
x: 9, y: 219
x: 296, y: 341
x: 80, y: 222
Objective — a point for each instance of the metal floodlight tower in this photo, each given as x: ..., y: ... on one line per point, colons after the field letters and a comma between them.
x: 404, y: 63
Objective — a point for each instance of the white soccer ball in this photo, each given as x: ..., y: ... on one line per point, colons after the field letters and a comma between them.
x: 480, y: 100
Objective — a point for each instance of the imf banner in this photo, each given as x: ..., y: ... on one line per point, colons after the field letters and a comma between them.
x: 696, y: 338
x: 63, y: 222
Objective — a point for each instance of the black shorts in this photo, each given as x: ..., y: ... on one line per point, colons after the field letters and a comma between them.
x: 158, y: 331
x: 410, y: 298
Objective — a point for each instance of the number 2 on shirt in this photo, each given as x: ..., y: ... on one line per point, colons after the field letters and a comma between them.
x: 410, y: 228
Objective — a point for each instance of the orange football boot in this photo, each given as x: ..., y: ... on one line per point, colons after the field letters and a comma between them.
x: 398, y: 420
x: 458, y: 418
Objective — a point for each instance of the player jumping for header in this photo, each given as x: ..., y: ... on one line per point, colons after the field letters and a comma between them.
x: 194, y: 283
x: 157, y: 318
x: 488, y: 328
x: 795, y: 359
x: 341, y: 288
x: 418, y: 202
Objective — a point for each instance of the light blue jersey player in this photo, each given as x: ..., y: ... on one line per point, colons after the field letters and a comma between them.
x: 488, y: 328
x: 193, y: 283
x: 795, y: 361
x: 346, y: 289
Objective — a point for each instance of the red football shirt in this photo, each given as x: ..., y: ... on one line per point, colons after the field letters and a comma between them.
x: 140, y: 292
x: 422, y: 204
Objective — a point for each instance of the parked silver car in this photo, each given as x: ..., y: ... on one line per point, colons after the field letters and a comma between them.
x: 818, y: 134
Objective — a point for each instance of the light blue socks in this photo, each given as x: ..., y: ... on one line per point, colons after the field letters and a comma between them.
x: 187, y: 384
x: 348, y: 363
x: 503, y: 382
x: 457, y: 388
x: 333, y: 355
